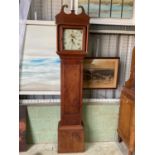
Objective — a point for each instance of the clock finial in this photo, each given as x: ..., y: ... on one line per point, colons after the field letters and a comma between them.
x: 72, y: 5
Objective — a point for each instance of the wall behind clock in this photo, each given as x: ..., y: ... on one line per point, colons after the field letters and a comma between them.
x: 43, y: 120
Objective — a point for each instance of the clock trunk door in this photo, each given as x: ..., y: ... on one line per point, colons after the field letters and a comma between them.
x: 72, y: 96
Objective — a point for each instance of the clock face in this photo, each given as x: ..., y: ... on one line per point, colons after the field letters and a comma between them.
x: 72, y: 39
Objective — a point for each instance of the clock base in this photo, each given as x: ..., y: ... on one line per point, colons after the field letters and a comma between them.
x: 70, y: 138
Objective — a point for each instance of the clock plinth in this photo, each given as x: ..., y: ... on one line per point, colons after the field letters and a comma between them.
x: 72, y: 41
x: 70, y: 138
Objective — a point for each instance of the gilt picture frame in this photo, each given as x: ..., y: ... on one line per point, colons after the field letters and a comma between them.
x: 101, y: 73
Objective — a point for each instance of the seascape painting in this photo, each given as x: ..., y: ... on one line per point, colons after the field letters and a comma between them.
x: 108, y: 9
x: 100, y: 73
x: 40, y: 66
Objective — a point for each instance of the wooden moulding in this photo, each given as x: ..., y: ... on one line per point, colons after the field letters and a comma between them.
x: 70, y: 138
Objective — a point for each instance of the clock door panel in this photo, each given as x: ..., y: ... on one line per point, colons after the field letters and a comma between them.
x: 71, y: 80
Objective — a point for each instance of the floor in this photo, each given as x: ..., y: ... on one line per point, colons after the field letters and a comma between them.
x: 99, y: 148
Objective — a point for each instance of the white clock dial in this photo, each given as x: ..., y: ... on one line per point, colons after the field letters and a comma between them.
x: 72, y: 39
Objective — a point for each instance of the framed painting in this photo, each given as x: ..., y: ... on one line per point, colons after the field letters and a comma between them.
x: 101, y: 73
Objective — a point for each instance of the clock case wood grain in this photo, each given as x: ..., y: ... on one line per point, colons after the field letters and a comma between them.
x: 71, y: 128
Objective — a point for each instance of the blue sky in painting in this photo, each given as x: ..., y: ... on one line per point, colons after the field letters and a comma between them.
x: 40, y: 71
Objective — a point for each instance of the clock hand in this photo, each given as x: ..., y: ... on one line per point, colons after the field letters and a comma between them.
x: 71, y: 46
x: 72, y: 36
x: 73, y: 41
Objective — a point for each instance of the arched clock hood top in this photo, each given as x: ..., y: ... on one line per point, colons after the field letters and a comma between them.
x: 72, y: 18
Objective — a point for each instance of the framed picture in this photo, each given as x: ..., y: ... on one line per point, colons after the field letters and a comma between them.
x: 101, y: 73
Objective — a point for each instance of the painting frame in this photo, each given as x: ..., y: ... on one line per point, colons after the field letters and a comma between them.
x: 98, y: 75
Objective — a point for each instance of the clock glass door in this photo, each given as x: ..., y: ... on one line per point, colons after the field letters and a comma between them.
x: 73, y: 39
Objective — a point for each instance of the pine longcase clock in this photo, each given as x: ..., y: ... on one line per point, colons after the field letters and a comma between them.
x: 72, y: 43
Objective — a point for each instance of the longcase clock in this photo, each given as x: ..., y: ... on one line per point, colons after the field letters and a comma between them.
x: 72, y: 43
